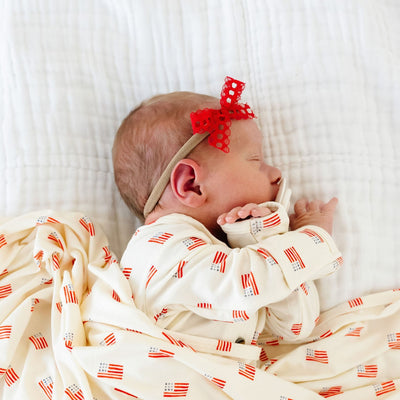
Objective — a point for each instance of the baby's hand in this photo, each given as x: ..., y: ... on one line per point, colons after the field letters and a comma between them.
x: 313, y: 213
x: 239, y: 213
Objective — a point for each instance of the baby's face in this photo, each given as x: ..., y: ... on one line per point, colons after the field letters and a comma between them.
x: 240, y: 176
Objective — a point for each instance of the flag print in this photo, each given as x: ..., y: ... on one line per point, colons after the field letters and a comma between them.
x: 74, y: 392
x: 313, y: 235
x: 393, y: 340
x: 127, y: 272
x: 5, y: 291
x: 383, y: 388
x: 330, y: 391
x: 155, y: 352
x: 3, y: 240
x: 107, y: 254
x: 88, y: 225
x: 285, y: 398
x: 160, y: 237
x: 109, y: 340
x: 70, y: 295
x: 193, y: 242
x: 355, y: 302
x: 46, y: 281
x: 11, y: 376
x: 4, y: 273
x: 5, y: 332
x: 34, y: 301
x: 56, y: 239
x: 294, y: 258
x: 46, y: 385
x: 326, y: 334
x: 240, y: 315
x: 38, y: 257
x: 162, y: 313
x: 55, y: 259
x: 254, y: 340
x: 249, y: 285
x: 320, y: 356
x: 179, y: 273
x: 39, y: 341
x: 44, y: 219
x: 305, y: 287
x: 115, y: 296
x: 367, y: 371
x: 355, y: 332
x: 247, y: 370
x: 257, y: 224
x: 68, y: 340
x: 219, y: 262
x: 270, y: 362
x: 219, y: 382
x: 224, y: 345
x: 296, y: 328
x: 150, y: 274
x: 176, y: 389
x: 267, y: 255
x: 110, y: 371
x: 263, y: 355
x: 207, y: 306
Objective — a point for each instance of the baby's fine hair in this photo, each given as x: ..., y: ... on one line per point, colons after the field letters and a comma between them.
x: 147, y: 140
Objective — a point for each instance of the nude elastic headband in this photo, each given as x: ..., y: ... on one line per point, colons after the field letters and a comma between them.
x: 212, y: 123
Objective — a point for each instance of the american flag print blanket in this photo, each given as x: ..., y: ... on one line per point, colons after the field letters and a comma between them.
x: 69, y: 329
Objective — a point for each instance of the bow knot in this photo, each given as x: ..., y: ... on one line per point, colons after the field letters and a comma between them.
x: 217, y: 122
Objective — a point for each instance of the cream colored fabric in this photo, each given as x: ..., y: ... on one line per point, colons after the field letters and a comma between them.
x: 69, y: 329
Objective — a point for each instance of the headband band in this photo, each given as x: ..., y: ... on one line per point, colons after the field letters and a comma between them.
x: 211, y: 123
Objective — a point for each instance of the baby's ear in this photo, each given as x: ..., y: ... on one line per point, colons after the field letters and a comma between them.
x: 185, y: 183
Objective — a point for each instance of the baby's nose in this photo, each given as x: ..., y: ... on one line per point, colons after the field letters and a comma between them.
x: 275, y: 174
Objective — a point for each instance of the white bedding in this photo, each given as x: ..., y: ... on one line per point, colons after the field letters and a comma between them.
x: 323, y: 78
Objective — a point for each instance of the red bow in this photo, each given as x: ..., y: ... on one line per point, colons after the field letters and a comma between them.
x: 217, y: 122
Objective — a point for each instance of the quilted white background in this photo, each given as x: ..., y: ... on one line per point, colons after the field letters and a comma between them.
x: 322, y: 76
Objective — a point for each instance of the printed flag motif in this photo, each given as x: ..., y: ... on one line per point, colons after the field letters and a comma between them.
x: 267, y: 255
x: 68, y: 340
x: 44, y: 219
x: 330, y: 391
x: 355, y: 302
x: 34, y: 301
x: 193, y: 242
x: 4, y: 273
x: 38, y: 258
x: 240, y: 315
x: 127, y: 272
x: 5, y: 291
x: 5, y: 332
x: 205, y: 305
x: 219, y: 262
x: 150, y: 274
x: 355, y: 332
x: 160, y: 237
x: 162, y: 313
x: 224, y: 345
x: 177, y: 342
x: 11, y: 377
x: 74, y: 392
x: 249, y: 285
x: 296, y: 328
x: 179, y: 273
x: 219, y: 382
x: 55, y: 258
x: 155, y: 352
x: 367, y: 371
x: 56, y: 238
x: 320, y: 356
x: 88, y: 225
x: 46, y: 385
x: 3, y: 240
x: 270, y: 362
x: 39, y: 341
x: 110, y: 371
x: 393, y: 340
x: 256, y: 225
x: 384, y: 388
x: 176, y: 389
x: 108, y: 340
x: 124, y: 392
x: 305, y: 287
x: 70, y: 295
x: 294, y: 258
x: 313, y: 235
x: 247, y: 370
x: 107, y: 256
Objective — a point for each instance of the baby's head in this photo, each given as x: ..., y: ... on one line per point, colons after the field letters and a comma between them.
x: 148, y: 139
x: 163, y: 165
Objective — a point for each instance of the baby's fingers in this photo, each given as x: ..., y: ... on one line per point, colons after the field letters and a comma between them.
x: 330, y: 206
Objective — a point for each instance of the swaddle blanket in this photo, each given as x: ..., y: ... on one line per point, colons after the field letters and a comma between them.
x: 69, y: 329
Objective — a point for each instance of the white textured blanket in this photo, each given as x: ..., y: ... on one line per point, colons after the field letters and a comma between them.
x: 323, y: 78
x: 69, y: 329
